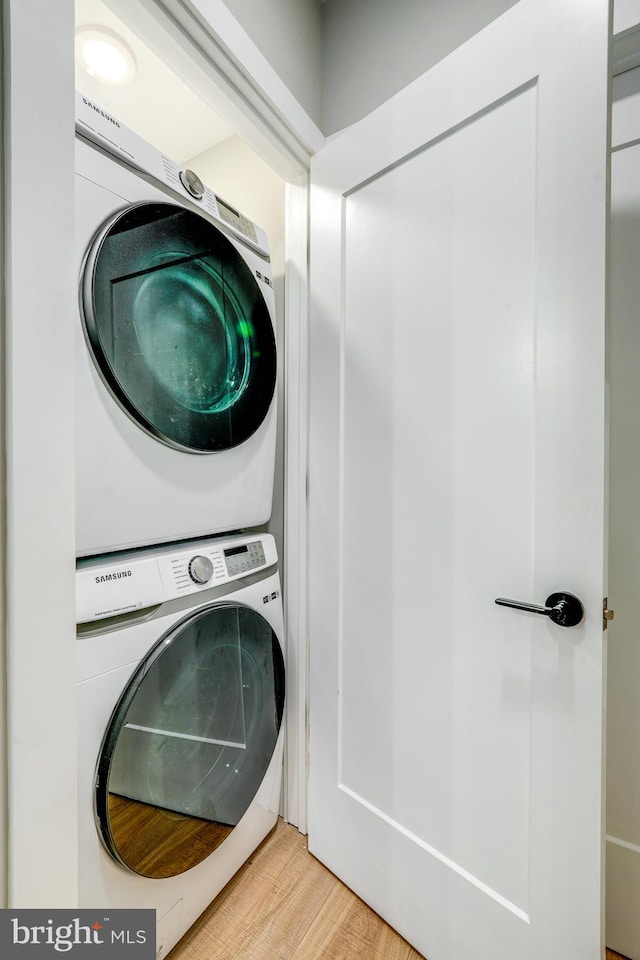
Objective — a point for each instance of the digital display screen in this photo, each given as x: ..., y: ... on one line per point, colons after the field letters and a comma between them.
x: 231, y: 216
x: 234, y: 551
x: 227, y: 209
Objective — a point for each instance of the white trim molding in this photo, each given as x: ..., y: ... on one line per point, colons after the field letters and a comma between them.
x: 296, y: 518
x: 210, y: 51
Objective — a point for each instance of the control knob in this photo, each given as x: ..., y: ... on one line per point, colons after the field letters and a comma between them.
x: 200, y: 569
x: 192, y: 183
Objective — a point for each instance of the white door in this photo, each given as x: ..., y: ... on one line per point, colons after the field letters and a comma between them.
x: 458, y: 456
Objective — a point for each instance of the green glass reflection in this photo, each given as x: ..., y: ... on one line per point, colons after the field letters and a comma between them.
x: 192, y: 334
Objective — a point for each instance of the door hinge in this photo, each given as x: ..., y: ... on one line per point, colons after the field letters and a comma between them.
x: 606, y: 613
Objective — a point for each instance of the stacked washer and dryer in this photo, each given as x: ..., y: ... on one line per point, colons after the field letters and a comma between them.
x: 179, y: 641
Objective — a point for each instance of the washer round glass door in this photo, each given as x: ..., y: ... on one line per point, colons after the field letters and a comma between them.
x: 190, y: 740
x: 178, y: 327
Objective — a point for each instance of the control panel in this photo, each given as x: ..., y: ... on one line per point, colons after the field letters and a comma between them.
x: 97, y: 125
x: 243, y: 558
x: 237, y: 220
x: 215, y: 564
x: 124, y: 583
x: 184, y: 572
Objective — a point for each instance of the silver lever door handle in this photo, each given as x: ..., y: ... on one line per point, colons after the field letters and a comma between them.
x: 562, y: 608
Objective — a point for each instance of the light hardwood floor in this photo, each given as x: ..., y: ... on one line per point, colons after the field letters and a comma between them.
x: 284, y: 905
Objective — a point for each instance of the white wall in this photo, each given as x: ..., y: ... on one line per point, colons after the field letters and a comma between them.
x: 289, y: 34
x: 626, y: 15
x: 38, y: 575
x: 240, y: 176
x: 374, y: 48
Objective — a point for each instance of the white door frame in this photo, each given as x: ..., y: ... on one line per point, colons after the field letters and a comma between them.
x: 40, y: 552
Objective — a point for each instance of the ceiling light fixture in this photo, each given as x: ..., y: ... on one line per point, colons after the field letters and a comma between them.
x: 105, y: 56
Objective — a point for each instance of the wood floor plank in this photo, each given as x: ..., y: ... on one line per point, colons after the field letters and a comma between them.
x: 225, y: 922
x: 268, y: 920
x: 285, y: 905
x: 288, y: 910
x: 346, y: 927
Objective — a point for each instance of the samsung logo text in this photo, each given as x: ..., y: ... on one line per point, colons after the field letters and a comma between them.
x: 118, y: 575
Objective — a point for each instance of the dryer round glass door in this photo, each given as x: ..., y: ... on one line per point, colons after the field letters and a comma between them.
x: 178, y: 327
x: 190, y: 741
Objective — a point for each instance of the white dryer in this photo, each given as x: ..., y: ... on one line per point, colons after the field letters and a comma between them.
x: 175, y: 350
x: 180, y: 704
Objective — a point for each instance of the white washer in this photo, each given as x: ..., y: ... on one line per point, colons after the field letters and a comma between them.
x: 180, y: 703
x: 175, y: 350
